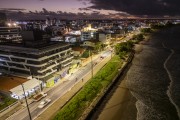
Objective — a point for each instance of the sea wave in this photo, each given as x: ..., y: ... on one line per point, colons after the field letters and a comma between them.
x: 148, y: 80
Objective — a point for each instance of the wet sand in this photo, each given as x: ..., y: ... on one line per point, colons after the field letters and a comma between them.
x: 120, y: 106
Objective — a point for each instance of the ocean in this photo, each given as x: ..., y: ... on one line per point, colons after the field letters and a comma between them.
x: 154, y: 77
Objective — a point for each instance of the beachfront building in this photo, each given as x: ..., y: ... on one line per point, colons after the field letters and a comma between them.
x: 36, y: 56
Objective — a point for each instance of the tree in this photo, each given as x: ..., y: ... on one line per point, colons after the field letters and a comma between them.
x: 85, y: 54
x: 98, y: 47
x: 139, y: 37
x: 146, y: 30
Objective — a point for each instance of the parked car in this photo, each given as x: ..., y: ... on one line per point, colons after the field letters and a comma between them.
x: 40, y: 96
x: 44, y: 103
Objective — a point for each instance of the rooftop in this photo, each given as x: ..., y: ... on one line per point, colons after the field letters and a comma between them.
x: 9, y: 82
x: 17, y: 47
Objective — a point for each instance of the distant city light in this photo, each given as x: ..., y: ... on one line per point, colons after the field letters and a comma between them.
x: 15, y: 24
x: 9, y: 24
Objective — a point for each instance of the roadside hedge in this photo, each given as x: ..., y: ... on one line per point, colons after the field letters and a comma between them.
x: 77, y: 105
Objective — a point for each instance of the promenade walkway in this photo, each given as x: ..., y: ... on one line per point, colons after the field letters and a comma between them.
x: 52, y: 110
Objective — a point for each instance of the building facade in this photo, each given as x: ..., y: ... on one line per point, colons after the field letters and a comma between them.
x: 10, y: 34
x: 88, y: 35
x: 40, y: 63
x: 105, y: 38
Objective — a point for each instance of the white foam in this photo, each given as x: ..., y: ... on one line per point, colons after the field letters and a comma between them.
x: 171, y: 81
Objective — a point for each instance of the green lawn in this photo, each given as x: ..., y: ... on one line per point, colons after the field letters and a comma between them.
x: 81, y: 101
x: 6, y: 101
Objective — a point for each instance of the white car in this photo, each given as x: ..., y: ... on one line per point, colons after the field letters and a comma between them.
x: 44, y: 103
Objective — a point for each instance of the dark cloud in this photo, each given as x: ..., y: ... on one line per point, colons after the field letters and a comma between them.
x: 12, y: 9
x: 42, y: 15
x: 139, y: 7
x: 86, y: 9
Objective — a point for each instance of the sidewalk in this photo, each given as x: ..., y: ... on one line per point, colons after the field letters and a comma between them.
x: 52, y: 110
x: 21, y: 106
x: 67, y: 76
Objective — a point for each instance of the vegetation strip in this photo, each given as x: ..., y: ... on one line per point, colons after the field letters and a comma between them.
x: 74, y: 109
x: 82, y: 100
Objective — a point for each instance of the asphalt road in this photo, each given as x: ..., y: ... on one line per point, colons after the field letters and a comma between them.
x: 57, y: 91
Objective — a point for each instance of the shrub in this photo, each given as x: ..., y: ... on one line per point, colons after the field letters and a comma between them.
x: 77, y: 105
x: 85, y: 54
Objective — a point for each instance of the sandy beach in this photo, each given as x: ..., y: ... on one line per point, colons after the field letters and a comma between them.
x: 120, y: 106
x: 150, y: 88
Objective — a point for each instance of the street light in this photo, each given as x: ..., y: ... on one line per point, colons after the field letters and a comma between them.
x: 26, y: 103
x: 90, y: 54
x: 25, y: 98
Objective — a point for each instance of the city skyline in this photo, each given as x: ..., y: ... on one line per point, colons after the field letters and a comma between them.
x: 93, y: 8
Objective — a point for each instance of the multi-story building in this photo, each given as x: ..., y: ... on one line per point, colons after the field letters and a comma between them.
x: 10, y: 34
x: 38, y: 62
x: 88, y: 35
x: 104, y: 37
x: 35, y: 58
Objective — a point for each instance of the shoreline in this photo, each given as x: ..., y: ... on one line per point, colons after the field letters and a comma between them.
x: 121, y: 104
x: 148, y: 80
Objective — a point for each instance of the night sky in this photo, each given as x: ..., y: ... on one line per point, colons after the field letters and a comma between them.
x: 111, y: 8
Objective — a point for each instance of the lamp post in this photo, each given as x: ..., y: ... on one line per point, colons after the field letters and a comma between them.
x: 25, y: 98
x: 26, y: 102
x: 90, y: 54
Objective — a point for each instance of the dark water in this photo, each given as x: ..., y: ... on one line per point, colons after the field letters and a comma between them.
x: 154, y: 78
